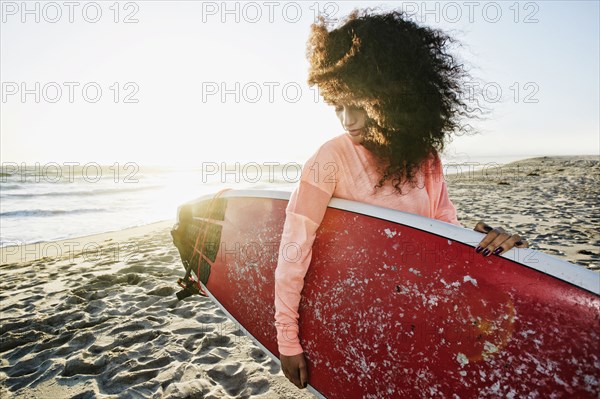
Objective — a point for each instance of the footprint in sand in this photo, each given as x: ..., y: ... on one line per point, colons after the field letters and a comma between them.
x: 265, y: 361
x: 230, y: 375
x: 193, y: 341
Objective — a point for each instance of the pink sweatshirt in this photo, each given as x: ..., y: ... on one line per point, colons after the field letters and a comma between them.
x: 346, y: 170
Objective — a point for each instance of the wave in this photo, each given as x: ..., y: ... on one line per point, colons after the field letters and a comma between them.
x: 82, y: 192
x: 9, y: 187
x: 49, y: 212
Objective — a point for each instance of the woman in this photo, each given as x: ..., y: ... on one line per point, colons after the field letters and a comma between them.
x: 398, y: 94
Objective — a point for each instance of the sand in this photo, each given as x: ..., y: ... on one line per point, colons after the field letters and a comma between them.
x: 105, y: 323
x: 102, y: 321
x: 553, y: 202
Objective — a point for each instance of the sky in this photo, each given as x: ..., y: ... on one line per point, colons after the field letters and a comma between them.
x: 181, y: 83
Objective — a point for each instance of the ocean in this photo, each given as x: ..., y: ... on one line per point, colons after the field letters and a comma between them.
x: 48, y: 202
x: 40, y: 203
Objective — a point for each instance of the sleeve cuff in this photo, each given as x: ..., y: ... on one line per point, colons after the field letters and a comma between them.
x: 288, y: 342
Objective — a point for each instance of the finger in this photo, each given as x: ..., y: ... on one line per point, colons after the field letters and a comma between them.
x: 287, y: 375
x: 286, y: 371
x: 483, y: 227
x: 293, y: 374
x: 498, y: 244
x: 522, y: 243
x: 507, y: 244
x: 489, y: 238
x: 294, y: 377
x: 303, y: 375
x: 511, y: 242
x: 495, y: 244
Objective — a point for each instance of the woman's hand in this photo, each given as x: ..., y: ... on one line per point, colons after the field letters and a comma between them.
x: 497, y: 240
x: 294, y: 368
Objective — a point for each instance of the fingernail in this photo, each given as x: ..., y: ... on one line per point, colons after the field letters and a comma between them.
x: 486, y: 252
x: 519, y: 243
x: 305, y: 384
x: 478, y: 249
x: 487, y: 228
x: 497, y: 250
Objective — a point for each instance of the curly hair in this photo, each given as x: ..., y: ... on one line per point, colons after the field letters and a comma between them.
x: 402, y: 75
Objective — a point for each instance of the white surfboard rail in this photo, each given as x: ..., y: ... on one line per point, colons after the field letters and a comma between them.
x: 547, y: 264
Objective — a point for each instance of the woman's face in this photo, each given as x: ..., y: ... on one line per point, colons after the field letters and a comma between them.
x: 353, y: 121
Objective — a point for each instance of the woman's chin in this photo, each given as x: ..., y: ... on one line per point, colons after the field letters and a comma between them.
x: 357, y: 139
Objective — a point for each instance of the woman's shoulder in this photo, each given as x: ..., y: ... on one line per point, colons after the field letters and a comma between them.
x: 332, y: 148
x: 431, y: 162
x: 432, y: 169
x: 338, y: 143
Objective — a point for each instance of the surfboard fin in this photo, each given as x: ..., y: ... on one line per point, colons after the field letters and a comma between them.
x: 190, y: 287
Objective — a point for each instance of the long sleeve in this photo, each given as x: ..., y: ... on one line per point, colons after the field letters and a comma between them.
x: 441, y: 206
x: 304, y: 214
x: 354, y: 167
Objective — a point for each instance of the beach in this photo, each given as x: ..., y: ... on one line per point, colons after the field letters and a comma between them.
x: 97, y: 317
x: 553, y: 202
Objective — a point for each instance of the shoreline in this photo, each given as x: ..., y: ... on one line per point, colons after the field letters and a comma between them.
x: 75, y: 246
x: 521, y: 173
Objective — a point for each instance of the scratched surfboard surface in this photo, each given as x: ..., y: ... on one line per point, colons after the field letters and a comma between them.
x: 397, y: 305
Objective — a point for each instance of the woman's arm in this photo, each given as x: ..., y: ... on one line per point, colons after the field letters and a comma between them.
x: 304, y: 214
x: 441, y: 208
x: 295, y: 253
x: 496, y: 240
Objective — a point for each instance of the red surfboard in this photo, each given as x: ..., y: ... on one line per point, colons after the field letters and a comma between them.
x: 398, y: 305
